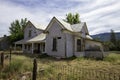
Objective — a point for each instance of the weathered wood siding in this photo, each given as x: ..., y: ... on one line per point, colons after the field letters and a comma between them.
x: 55, y: 31
x: 34, y: 31
x: 69, y: 44
x: 90, y: 43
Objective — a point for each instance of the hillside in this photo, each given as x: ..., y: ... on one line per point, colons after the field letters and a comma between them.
x: 105, y: 36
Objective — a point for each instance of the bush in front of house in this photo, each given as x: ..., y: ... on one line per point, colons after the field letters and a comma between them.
x: 112, y: 57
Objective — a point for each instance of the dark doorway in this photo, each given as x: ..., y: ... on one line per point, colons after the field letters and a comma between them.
x: 38, y: 48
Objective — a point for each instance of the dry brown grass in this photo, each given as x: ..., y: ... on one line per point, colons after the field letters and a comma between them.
x: 45, y: 63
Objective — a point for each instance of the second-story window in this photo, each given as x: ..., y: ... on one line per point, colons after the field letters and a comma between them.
x: 30, y: 33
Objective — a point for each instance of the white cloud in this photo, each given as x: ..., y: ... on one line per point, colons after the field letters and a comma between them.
x: 100, y: 15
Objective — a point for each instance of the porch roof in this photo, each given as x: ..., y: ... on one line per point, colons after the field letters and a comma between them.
x: 39, y: 38
x: 89, y: 37
x: 23, y: 41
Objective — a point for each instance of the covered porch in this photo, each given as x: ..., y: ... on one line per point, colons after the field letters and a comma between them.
x: 34, y: 45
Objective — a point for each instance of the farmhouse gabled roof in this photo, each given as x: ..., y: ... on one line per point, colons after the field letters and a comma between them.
x: 77, y: 27
x: 65, y: 24
x: 73, y: 28
x: 37, y: 26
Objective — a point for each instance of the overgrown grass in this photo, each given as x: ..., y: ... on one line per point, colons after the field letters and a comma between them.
x: 113, y: 58
x: 17, y: 66
x: 23, y: 63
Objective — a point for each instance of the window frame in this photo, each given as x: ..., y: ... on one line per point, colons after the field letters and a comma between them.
x: 30, y: 33
x: 54, y: 44
x: 76, y: 45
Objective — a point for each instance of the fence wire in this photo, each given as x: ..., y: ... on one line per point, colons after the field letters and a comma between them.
x: 58, y: 72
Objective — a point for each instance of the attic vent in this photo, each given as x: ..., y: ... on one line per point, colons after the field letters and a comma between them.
x: 59, y: 37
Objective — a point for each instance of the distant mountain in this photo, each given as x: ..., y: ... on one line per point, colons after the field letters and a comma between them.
x: 105, y: 36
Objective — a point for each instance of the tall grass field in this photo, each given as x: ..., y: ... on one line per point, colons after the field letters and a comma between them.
x: 22, y: 65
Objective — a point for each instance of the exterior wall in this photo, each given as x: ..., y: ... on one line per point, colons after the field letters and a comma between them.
x: 94, y: 54
x: 83, y: 32
x: 90, y: 43
x: 55, y: 31
x: 34, y: 32
x: 69, y: 44
x: 78, y: 54
x: 81, y: 53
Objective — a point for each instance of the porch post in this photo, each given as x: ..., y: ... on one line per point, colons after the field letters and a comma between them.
x: 32, y: 48
x: 15, y: 47
x: 23, y: 47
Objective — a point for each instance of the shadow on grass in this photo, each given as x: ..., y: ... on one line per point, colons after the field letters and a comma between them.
x: 45, y: 56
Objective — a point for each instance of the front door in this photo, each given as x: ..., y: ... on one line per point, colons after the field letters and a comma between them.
x: 38, y: 48
x: 41, y: 47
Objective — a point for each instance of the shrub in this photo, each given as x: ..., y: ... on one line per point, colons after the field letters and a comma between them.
x: 112, y: 57
x: 3, y: 75
x: 15, y: 66
x: 43, y: 56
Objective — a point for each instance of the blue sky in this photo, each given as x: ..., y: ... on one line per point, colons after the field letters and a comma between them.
x: 100, y: 15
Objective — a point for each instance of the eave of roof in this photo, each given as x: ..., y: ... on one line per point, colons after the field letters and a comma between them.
x: 94, y: 40
x: 38, y: 27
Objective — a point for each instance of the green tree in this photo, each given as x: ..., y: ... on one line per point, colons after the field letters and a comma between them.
x: 113, y: 40
x: 69, y: 18
x: 17, y: 29
x: 118, y: 45
x: 113, y: 37
x: 76, y: 18
x: 108, y: 45
x: 72, y: 19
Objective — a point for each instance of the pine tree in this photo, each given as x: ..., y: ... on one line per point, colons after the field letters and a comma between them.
x: 113, y: 40
x: 113, y: 37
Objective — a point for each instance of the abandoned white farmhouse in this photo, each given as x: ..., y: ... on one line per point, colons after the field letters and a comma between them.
x: 59, y: 39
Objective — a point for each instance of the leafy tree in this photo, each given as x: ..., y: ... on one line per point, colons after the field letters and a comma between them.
x: 69, y: 18
x: 108, y: 45
x: 118, y: 45
x: 76, y: 18
x: 17, y: 30
x: 72, y: 19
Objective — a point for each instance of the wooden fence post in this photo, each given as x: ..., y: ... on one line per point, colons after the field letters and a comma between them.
x: 2, y: 59
x: 10, y: 53
x: 34, y: 75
